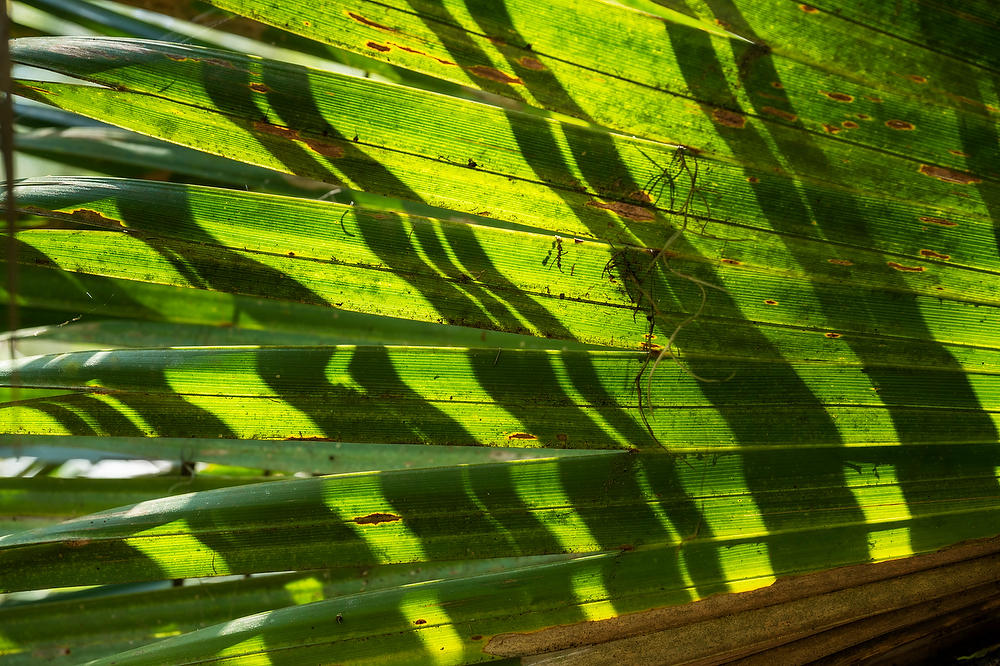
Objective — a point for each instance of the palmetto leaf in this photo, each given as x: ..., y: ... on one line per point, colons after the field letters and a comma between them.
x: 690, y: 298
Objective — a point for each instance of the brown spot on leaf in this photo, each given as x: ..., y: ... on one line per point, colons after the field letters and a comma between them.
x: 376, y: 518
x: 626, y: 547
x: 729, y: 118
x: 841, y: 262
x: 771, y: 301
x: 640, y: 196
x: 521, y: 435
x: 632, y: 212
x: 958, y: 152
x: 939, y: 220
x: 873, y: 98
x: 808, y: 9
x: 916, y: 78
x: 93, y: 217
x: 77, y: 543
x: 176, y: 58
x: 830, y: 129
x: 218, y: 62
x: 378, y: 47
x: 776, y: 84
x: 493, y: 74
x: 476, y: 637
x: 905, y: 269
x: 832, y: 335
x: 948, y: 175
x: 38, y: 89
x: 362, y: 19
x: 931, y: 254
x: 259, y: 87
x: 531, y: 63
x: 326, y: 149
x: 421, y: 621
x: 863, y: 116
x: 850, y: 124
x: 840, y: 97
x: 899, y: 125
x: 732, y: 262
x: 562, y: 437
x: 275, y: 130
x: 790, y: 117
x: 753, y: 179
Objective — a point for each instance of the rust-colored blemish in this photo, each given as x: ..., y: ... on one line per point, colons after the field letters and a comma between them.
x: 729, y: 118
x: 790, y: 117
x: 640, y: 196
x: 958, y: 152
x: 841, y: 262
x: 626, y: 547
x: 521, y: 435
x: 276, y: 130
x: 632, y: 212
x: 326, y: 149
x: 832, y: 335
x: 808, y: 9
x: 95, y: 218
x: 753, y: 179
x: 905, y: 269
x: 916, y: 78
x: 218, y: 62
x: 362, y: 19
x: 777, y: 84
x: 420, y: 621
x: 531, y: 63
x: 376, y: 518
x: 830, y: 129
x: 732, y: 262
x: 562, y: 437
x: 864, y: 116
x: 899, y: 124
x: 850, y: 124
x: 38, y: 89
x: 493, y: 74
x: 259, y: 87
x: 77, y: 543
x: 177, y: 58
x: 948, y: 175
x: 873, y: 98
x: 840, y: 97
x: 939, y: 220
x: 476, y: 637
x: 421, y: 53
x: 931, y: 254
x: 378, y: 47
x: 771, y: 301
